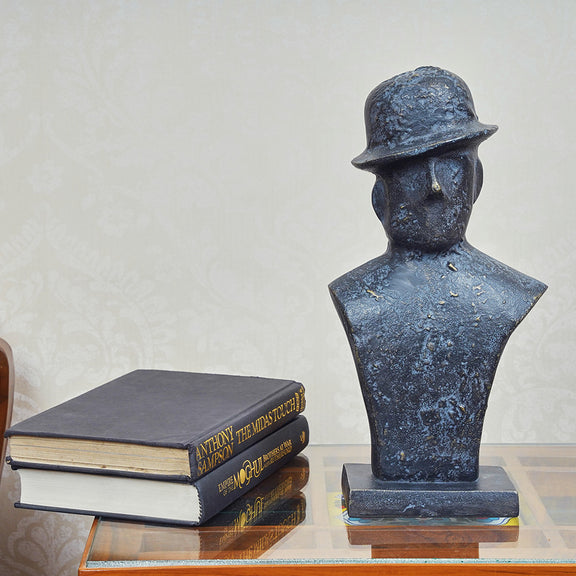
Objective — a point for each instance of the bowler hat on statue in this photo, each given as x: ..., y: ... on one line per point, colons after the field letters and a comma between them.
x: 416, y: 112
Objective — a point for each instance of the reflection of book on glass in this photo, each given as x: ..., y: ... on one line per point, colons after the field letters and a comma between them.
x: 156, y: 423
x: 129, y: 542
x: 155, y: 500
x: 255, y: 540
x: 245, y: 529
x: 225, y: 542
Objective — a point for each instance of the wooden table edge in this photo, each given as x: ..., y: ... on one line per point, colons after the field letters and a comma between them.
x: 339, y: 569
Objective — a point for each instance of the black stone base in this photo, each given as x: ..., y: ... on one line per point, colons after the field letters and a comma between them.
x: 492, y: 495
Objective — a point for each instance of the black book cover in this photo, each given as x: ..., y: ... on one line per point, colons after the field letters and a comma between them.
x: 211, y: 416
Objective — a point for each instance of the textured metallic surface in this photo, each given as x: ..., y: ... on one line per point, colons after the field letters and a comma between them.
x: 416, y: 112
x: 429, y: 319
x: 493, y: 494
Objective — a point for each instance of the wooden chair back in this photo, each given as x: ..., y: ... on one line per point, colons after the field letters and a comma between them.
x: 6, y: 395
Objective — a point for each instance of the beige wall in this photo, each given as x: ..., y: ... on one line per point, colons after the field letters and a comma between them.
x: 176, y: 192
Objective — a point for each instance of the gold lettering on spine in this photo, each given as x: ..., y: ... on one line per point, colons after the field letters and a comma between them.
x: 294, y: 404
x: 253, y: 468
x: 301, y: 399
x: 215, y: 450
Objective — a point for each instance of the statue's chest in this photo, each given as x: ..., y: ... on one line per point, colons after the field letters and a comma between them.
x: 429, y: 320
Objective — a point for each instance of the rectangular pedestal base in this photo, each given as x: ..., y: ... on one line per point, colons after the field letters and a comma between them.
x: 492, y: 495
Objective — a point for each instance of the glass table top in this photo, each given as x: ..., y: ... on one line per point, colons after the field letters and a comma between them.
x: 297, y: 517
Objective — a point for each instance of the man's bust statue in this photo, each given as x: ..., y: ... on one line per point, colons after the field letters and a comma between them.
x: 428, y: 320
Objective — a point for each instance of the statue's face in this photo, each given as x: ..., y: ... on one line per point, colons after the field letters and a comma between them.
x: 425, y: 202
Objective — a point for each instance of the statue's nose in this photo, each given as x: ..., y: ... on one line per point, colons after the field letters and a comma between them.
x: 435, y: 186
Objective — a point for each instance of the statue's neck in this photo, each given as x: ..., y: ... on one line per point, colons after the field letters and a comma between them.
x: 401, y: 252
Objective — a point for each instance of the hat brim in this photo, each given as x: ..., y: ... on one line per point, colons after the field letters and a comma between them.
x: 382, y: 155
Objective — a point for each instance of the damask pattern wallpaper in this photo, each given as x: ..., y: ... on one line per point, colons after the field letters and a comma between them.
x: 176, y: 192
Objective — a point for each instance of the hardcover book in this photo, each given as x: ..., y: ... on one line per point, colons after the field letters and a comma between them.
x: 163, y: 501
x: 156, y: 424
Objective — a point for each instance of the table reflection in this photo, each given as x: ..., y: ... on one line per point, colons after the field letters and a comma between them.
x: 245, y: 530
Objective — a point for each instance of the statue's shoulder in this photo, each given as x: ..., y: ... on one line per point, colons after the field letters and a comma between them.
x: 357, y: 282
x: 518, y: 292
x: 504, y: 276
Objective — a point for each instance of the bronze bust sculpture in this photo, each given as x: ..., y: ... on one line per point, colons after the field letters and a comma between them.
x: 428, y: 320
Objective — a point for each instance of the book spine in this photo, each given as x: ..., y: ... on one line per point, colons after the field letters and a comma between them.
x: 220, y: 445
x: 233, y: 479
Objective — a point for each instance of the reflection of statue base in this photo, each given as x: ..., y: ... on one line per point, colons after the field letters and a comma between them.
x: 448, y: 538
x: 493, y: 494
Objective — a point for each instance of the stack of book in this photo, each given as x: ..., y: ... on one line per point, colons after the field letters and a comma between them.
x: 158, y: 445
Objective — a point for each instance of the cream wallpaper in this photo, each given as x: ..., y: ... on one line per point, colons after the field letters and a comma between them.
x: 176, y: 192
